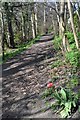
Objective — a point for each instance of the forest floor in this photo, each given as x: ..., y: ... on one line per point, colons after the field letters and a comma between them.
x: 25, y: 78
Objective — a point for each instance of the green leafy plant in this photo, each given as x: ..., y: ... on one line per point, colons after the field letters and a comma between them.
x: 74, y: 58
x: 56, y: 64
x: 67, y: 100
x: 70, y: 37
x: 57, y: 42
x: 73, y: 46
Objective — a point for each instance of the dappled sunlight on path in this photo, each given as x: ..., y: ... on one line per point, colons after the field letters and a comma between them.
x: 24, y: 77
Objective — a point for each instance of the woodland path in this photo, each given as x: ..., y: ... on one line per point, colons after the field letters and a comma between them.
x: 24, y: 79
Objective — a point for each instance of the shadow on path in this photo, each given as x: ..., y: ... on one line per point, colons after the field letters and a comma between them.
x: 23, y: 76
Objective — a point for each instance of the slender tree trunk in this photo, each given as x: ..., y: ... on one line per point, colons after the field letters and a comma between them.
x: 11, y: 35
x: 44, y: 17
x: 2, y: 31
x: 33, y: 21
x: 62, y: 17
x: 28, y: 21
x: 23, y: 26
x: 44, y: 20
x: 62, y: 24
x: 33, y: 26
x: 65, y: 20
x: 36, y: 20
x: 58, y: 18
x: 72, y: 24
x: 67, y: 44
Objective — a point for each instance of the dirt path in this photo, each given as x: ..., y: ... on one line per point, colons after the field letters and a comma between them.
x: 24, y: 78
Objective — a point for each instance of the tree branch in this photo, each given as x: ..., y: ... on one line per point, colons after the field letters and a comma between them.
x: 52, y: 8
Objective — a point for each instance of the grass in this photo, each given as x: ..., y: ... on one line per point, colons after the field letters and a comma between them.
x: 12, y: 52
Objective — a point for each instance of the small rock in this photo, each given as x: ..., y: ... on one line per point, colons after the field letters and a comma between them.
x: 24, y: 93
x: 41, y: 67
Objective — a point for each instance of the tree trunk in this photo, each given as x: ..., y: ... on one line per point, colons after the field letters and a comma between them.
x: 58, y: 18
x: 36, y: 20
x: 44, y: 17
x: 62, y: 24
x: 23, y: 26
x: 67, y: 44
x: 33, y: 26
x: 44, y: 20
x: 2, y: 31
x: 10, y: 30
x: 72, y: 24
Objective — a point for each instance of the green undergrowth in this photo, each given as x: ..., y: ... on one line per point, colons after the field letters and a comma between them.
x: 12, y: 52
x: 66, y: 97
x: 73, y: 57
x: 47, y: 93
x: 57, y: 41
x: 66, y: 101
x: 73, y: 82
x: 57, y: 63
